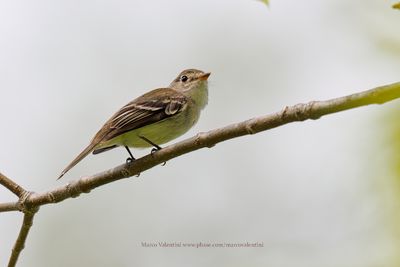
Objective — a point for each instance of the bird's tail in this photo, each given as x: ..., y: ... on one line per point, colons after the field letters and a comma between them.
x: 83, y: 154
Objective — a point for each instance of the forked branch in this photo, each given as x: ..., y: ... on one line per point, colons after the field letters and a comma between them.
x: 30, y: 202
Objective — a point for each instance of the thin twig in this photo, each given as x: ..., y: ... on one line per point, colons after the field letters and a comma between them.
x: 20, y: 242
x: 300, y: 112
x: 9, y: 206
x: 30, y: 202
x: 28, y: 210
x: 11, y: 185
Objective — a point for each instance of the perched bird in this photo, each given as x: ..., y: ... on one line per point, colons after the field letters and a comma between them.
x: 154, y: 118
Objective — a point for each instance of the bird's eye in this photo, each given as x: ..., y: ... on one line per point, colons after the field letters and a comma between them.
x: 184, y: 78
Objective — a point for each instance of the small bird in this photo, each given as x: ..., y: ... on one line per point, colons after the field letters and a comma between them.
x: 154, y: 118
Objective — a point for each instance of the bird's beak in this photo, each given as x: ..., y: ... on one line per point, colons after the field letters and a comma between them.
x: 204, y: 76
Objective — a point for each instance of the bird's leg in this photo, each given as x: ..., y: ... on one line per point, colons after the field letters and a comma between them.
x: 131, y: 158
x: 155, y: 146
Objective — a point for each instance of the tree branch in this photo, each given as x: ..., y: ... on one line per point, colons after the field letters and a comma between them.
x: 29, y: 202
x: 9, y: 206
x: 11, y: 185
x: 28, y: 210
x: 20, y: 242
x: 300, y: 112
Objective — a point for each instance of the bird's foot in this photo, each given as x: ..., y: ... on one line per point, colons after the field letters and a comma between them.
x: 155, y: 149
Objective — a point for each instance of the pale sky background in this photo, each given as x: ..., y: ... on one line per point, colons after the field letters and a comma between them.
x: 316, y: 193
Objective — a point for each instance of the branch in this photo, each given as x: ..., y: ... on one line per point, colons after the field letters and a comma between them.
x: 28, y: 210
x: 29, y: 202
x: 300, y: 112
x: 20, y: 242
x: 11, y: 185
x: 9, y: 206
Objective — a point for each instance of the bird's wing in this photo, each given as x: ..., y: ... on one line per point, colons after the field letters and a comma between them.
x: 143, y: 111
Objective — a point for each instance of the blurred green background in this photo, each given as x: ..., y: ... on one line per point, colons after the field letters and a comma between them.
x: 316, y: 193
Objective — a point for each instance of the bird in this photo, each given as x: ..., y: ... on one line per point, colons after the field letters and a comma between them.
x: 154, y: 118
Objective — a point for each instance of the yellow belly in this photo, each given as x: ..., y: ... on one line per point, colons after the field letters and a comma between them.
x: 159, y: 133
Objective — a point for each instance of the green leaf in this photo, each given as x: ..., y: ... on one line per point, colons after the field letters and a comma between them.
x: 265, y: 2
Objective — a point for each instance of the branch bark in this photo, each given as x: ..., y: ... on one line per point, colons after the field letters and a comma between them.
x: 9, y: 206
x: 30, y: 202
x: 28, y: 210
x: 11, y: 185
x: 20, y: 242
x: 300, y: 112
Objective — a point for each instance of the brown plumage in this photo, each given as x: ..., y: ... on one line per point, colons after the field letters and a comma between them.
x: 156, y: 106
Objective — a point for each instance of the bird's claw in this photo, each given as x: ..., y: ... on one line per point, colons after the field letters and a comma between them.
x: 155, y: 149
